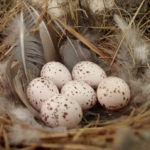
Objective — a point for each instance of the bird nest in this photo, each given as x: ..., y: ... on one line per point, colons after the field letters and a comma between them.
x: 114, y: 48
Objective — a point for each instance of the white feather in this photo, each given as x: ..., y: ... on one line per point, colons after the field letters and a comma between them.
x: 26, y: 46
x: 97, y: 6
x: 22, y: 43
x: 57, y: 8
x: 134, y: 41
x: 139, y: 87
x: 48, y: 46
x: 4, y: 85
x: 28, y: 134
x: 22, y: 135
x: 22, y: 114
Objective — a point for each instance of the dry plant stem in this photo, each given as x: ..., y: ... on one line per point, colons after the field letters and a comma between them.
x: 6, y: 53
x: 85, y: 41
x: 124, y: 34
x: 90, y: 132
x: 11, y: 13
x: 38, y: 21
x: 26, y: 148
x: 71, y: 10
x: 7, y: 146
x: 131, y: 120
x: 70, y: 146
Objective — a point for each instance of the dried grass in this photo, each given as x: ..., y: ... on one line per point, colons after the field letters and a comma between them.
x: 97, y: 134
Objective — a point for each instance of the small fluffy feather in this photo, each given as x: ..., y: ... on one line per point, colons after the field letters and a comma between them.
x: 134, y: 41
x: 139, y: 86
x: 16, y: 111
x: 8, y: 102
x: 18, y: 134
x: 24, y: 115
x: 4, y: 85
x: 96, y: 6
x: 58, y: 8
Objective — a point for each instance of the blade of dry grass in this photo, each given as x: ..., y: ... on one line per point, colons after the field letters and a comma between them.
x: 7, y: 146
x: 83, y: 40
x: 71, y: 146
x: 124, y: 34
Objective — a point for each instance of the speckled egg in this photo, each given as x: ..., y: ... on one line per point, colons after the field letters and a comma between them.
x: 81, y: 92
x: 113, y: 93
x: 88, y: 72
x: 59, y: 110
x: 57, y: 72
x: 39, y: 90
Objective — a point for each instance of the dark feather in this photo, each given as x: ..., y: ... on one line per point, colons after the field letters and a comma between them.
x: 26, y: 46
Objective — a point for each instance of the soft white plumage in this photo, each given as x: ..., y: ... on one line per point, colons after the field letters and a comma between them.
x: 134, y: 41
x: 134, y: 60
x: 27, y: 49
x: 57, y: 8
x: 22, y: 135
x: 96, y: 6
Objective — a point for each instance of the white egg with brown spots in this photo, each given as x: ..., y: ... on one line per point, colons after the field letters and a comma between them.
x: 59, y: 110
x: 39, y: 90
x: 88, y: 72
x: 113, y: 93
x: 81, y: 92
x: 57, y: 72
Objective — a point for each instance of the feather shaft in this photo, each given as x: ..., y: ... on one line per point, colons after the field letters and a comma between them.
x: 22, y: 44
x: 47, y: 43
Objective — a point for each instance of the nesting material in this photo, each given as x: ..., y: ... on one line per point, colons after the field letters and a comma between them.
x: 57, y: 8
x: 96, y: 6
x: 121, y: 48
x: 18, y: 131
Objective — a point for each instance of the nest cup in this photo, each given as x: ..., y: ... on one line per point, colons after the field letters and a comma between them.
x: 118, y: 46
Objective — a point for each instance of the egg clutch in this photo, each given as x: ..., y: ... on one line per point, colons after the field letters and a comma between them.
x: 61, y: 97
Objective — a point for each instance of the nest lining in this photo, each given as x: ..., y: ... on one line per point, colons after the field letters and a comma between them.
x: 106, y: 129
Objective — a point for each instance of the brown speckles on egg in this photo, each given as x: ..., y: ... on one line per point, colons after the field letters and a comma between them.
x: 88, y: 72
x: 105, y: 94
x: 65, y: 105
x: 63, y: 113
x: 116, y: 97
x: 83, y: 93
x: 39, y: 90
x: 80, y: 115
x: 57, y: 72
